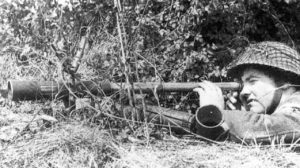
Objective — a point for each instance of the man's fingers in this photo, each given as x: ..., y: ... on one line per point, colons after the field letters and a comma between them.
x: 235, y: 94
x: 198, y: 90
x: 210, y: 87
x: 232, y: 100
x: 230, y: 105
x: 210, y: 94
x: 203, y: 86
x: 232, y: 97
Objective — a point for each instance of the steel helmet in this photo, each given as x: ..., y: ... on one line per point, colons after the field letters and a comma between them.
x: 268, y: 53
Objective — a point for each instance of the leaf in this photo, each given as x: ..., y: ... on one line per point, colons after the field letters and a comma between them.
x: 46, y: 118
x: 26, y: 49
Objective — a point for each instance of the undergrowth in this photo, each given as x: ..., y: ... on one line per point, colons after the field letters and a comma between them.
x: 129, y: 41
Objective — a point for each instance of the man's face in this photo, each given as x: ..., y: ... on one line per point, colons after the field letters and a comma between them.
x: 258, y: 90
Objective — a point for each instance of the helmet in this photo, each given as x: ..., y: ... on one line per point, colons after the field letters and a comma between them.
x: 271, y: 54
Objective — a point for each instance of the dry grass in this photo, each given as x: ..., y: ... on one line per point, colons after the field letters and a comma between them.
x: 66, y: 145
x: 200, y: 154
x: 73, y: 144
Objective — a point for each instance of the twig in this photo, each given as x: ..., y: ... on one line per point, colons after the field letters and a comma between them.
x: 272, y: 12
x: 123, y: 58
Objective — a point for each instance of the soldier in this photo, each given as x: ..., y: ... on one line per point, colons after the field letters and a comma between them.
x: 269, y: 73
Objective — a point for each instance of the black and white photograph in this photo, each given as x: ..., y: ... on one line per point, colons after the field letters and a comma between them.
x: 150, y: 84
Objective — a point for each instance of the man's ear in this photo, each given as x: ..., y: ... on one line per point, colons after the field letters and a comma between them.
x: 281, y: 83
x: 285, y: 86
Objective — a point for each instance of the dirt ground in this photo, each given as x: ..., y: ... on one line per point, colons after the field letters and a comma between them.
x: 30, y: 138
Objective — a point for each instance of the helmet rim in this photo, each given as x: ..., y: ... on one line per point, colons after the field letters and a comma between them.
x: 271, y: 54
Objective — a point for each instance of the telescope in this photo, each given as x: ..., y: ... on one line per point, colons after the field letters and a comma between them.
x: 36, y: 90
x: 207, y: 123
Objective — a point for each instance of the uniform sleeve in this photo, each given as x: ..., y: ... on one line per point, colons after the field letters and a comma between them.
x: 283, y: 124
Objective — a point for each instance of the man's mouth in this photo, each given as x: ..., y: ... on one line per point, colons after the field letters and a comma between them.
x: 255, y: 106
x: 250, y: 101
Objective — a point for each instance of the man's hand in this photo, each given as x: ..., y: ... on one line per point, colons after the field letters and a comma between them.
x: 210, y: 94
x: 232, y: 101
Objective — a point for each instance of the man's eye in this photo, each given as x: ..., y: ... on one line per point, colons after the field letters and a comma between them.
x: 252, y: 81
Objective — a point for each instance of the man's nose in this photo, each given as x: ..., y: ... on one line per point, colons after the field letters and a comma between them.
x: 245, y: 92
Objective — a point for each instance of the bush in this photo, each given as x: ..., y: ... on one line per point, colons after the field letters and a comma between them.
x: 160, y: 40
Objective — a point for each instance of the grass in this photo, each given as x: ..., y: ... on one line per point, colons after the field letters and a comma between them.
x: 192, y: 153
x: 78, y: 144
x: 65, y: 145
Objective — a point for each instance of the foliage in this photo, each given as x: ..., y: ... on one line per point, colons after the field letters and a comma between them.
x: 160, y: 40
x: 168, y: 40
x: 140, y: 40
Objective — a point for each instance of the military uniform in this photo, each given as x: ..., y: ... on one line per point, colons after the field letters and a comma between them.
x: 282, y: 123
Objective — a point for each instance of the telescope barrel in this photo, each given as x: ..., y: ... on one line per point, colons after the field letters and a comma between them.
x: 209, y: 117
x: 207, y: 122
x: 173, y: 86
x: 210, y: 123
x: 35, y: 90
x: 31, y: 90
x: 178, y: 120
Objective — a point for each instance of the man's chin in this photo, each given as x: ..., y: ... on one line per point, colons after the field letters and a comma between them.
x: 258, y: 110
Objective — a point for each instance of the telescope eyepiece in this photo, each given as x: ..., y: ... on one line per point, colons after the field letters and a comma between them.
x: 209, y: 116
